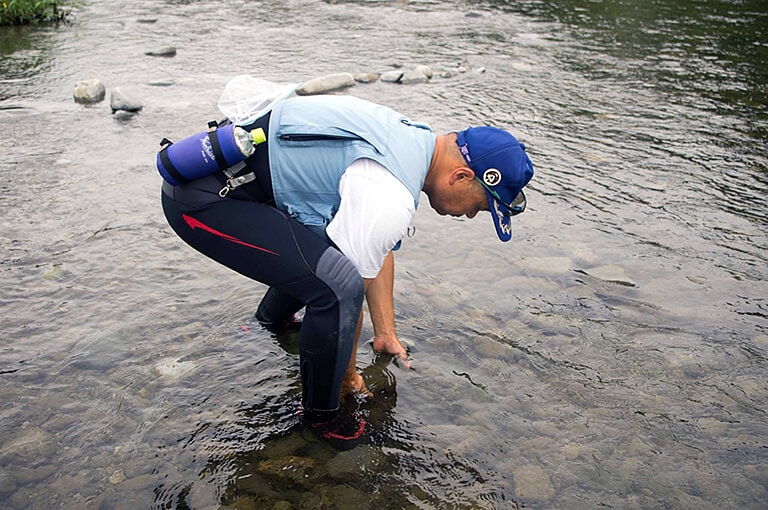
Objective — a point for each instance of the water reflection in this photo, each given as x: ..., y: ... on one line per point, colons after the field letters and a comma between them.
x: 26, y: 54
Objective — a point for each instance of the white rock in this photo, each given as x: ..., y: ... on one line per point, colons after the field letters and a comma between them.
x: 392, y: 76
x: 425, y: 70
x: 89, y: 91
x: 414, y: 76
x: 366, y: 77
x: 325, y: 84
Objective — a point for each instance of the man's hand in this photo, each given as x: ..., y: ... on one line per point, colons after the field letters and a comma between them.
x: 389, y: 344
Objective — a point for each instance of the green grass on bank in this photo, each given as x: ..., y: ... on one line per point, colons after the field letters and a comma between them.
x: 23, y: 12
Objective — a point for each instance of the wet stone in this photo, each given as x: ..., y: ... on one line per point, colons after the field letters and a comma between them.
x: 168, y: 51
x: 326, y: 84
x: 392, y: 76
x: 344, y: 497
x: 119, y: 99
x: 89, y: 91
x: 413, y: 76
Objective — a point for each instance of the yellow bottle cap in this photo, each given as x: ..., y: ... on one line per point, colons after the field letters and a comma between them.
x: 258, y: 136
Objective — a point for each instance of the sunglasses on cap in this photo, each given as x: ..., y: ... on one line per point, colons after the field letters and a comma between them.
x: 511, y: 209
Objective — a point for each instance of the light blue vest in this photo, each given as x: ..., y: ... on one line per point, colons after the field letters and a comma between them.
x: 312, y: 140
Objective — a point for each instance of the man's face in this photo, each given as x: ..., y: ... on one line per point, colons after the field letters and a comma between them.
x: 459, y: 197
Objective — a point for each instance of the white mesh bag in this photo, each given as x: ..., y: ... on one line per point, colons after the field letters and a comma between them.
x: 246, y: 98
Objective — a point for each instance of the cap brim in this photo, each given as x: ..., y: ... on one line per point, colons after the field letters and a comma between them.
x: 502, y: 221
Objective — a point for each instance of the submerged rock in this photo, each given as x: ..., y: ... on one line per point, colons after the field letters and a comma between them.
x: 89, y: 91
x: 291, y: 469
x: 348, y: 465
x: 101, y: 350
x: 533, y: 483
x: 325, y: 84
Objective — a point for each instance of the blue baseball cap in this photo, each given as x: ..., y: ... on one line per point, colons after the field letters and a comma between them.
x: 502, y: 167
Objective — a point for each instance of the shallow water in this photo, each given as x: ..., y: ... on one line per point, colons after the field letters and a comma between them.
x: 614, y: 354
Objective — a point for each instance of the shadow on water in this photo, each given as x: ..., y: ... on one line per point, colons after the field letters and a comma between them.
x: 26, y: 55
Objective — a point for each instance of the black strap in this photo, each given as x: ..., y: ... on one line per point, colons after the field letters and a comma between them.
x: 213, y: 136
x: 166, y: 161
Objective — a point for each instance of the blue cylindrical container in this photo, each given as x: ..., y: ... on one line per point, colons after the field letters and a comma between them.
x: 195, y: 157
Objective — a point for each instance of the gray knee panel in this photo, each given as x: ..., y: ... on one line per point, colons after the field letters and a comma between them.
x: 341, y: 276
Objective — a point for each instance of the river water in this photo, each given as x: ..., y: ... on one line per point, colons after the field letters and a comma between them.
x: 614, y: 354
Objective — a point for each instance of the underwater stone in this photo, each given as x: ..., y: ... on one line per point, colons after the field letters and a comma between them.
x: 291, y: 469
x: 348, y: 465
x: 533, y: 483
x: 100, y: 351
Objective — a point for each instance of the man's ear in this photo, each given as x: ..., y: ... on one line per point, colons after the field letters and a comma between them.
x: 460, y: 174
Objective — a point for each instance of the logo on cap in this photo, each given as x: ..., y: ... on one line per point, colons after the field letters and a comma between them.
x: 492, y: 177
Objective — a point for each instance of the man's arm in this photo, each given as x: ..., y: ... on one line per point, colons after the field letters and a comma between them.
x: 378, y: 294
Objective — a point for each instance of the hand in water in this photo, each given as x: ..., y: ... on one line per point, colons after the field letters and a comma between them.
x: 389, y: 344
x: 354, y: 386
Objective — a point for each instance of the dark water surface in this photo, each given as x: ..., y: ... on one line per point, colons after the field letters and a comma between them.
x: 613, y: 355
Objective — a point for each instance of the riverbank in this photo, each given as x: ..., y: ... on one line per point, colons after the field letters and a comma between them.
x: 26, y: 12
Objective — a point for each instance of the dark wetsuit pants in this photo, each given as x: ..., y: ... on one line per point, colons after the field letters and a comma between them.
x: 300, y: 267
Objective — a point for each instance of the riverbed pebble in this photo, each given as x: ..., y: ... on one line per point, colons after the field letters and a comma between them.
x: 89, y: 91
